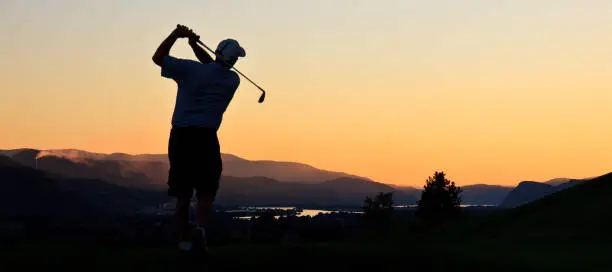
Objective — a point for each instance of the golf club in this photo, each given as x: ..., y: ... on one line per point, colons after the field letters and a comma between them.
x: 263, y: 93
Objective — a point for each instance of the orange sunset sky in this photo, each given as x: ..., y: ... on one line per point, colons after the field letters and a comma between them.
x: 489, y: 91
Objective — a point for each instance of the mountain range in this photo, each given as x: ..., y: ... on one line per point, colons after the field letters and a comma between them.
x: 246, y: 182
x: 25, y: 191
x: 155, y: 167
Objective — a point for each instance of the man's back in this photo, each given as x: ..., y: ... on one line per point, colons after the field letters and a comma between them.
x: 204, y: 91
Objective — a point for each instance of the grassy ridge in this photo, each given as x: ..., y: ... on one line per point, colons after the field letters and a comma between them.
x: 473, y: 256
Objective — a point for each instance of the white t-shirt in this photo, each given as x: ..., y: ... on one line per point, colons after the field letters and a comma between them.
x: 204, y: 91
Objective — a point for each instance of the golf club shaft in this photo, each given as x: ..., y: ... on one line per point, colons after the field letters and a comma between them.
x: 261, y: 89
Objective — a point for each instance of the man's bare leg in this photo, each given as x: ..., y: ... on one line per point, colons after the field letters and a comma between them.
x: 181, y: 215
x: 202, y: 215
x: 204, y: 210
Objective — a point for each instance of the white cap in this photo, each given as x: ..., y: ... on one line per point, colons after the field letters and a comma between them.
x: 229, y: 49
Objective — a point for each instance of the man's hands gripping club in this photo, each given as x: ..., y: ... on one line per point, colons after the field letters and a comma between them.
x: 180, y: 31
x: 200, y: 53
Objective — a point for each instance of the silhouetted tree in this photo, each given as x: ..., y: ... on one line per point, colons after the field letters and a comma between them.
x: 382, y: 202
x: 440, y: 200
x: 378, y: 210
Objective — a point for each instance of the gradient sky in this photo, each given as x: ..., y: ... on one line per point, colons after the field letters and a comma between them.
x: 489, y: 91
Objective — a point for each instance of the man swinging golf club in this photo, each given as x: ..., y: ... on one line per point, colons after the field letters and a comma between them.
x: 205, y: 89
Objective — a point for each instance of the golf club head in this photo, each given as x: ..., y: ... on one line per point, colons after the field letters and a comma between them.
x: 262, y: 97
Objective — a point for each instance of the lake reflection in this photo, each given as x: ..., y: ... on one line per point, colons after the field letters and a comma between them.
x: 284, y: 211
x: 313, y: 212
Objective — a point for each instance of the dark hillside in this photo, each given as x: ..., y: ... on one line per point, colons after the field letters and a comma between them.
x: 582, y: 211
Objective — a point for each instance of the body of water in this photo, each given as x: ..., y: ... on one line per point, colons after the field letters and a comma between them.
x: 248, y: 212
x: 284, y: 211
x: 462, y: 206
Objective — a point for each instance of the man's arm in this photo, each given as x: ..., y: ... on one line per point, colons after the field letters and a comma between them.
x: 200, y: 53
x: 164, y: 48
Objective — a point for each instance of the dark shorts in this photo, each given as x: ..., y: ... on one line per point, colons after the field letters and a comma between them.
x: 195, y: 162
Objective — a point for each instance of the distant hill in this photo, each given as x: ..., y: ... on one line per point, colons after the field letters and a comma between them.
x: 525, y: 192
x: 6, y: 161
x: 557, y: 181
x: 483, y: 194
x: 528, y: 191
x: 155, y: 166
x: 261, y: 191
x: 478, y: 194
x: 582, y: 210
x: 406, y: 188
x: 25, y: 191
x: 82, y: 165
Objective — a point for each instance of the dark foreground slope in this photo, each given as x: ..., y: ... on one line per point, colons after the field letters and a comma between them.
x: 529, y: 191
x: 320, y: 257
x: 363, y: 256
x: 582, y: 211
x: 566, y: 231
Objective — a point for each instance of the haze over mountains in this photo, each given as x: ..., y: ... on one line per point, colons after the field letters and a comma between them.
x: 244, y: 182
x: 155, y: 166
x: 259, y: 182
